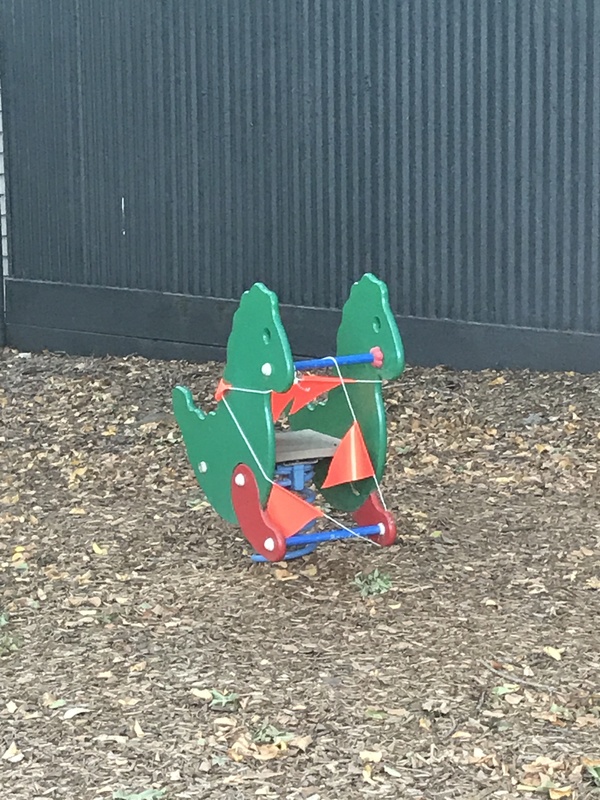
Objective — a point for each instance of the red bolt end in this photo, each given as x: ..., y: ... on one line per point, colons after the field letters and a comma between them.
x: 377, y: 354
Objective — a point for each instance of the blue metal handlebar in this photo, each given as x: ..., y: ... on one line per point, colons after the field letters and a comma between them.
x: 328, y: 361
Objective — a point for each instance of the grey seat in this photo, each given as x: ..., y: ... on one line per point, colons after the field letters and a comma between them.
x: 304, y: 445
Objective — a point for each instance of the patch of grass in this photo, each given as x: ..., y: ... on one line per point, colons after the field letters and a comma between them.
x: 9, y: 642
x: 147, y: 794
x: 594, y: 774
x: 371, y: 583
x: 269, y: 734
x: 224, y: 699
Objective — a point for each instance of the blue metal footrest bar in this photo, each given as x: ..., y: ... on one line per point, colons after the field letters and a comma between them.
x: 302, y: 544
x: 329, y: 536
x: 298, y: 552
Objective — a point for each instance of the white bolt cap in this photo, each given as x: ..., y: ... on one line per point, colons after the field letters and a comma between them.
x: 203, y: 466
x: 266, y: 369
x: 269, y: 544
x: 239, y: 479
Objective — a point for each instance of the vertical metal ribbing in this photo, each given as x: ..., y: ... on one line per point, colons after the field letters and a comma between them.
x: 485, y: 263
x: 523, y: 103
x: 404, y: 154
x: 592, y: 284
x: 465, y: 273
x: 555, y: 174
x: 454, y: 121
x: 452, y: 146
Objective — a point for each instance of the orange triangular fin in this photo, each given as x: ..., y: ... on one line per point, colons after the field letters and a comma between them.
x: 312, y: 386
x: 280, y: 400
x: 222, y: 387
x: 289, y: 512
x: 351, y: 461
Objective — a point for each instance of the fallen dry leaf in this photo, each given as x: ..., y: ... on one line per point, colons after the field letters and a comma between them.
x: 301, y: 742
x: 12, y: 754
x: 590, y: 762
x: 513, y: 699
x: 554, y: 652
x: 202, y: 694
x: 129, y: 701
x: 243, y: 748
x: 285, y: 575
x: 267, y: 752
x: 367, y: 774
x: 556, y: 792
x: 587, y: 720
x: 543, y: 764
x: 372, y: 756
x: 75, y: 712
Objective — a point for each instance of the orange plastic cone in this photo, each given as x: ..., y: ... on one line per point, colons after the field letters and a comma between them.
x: 351, y: 461
x: 289, y: 512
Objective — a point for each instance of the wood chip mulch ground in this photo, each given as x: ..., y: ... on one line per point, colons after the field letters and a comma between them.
x: 144, y: 656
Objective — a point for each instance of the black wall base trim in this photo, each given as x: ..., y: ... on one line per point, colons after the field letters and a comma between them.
x: 89, y: 320
x: 33, y: 339
x: 2, y: 320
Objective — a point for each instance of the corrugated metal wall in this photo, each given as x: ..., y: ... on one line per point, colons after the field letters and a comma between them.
x: 3, y: 230
x: 3, y: 220
x: 193, y: 146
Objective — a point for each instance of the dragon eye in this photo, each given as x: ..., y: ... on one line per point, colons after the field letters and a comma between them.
x: 376, y: 324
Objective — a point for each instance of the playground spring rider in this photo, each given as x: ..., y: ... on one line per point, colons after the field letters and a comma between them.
x: 267, y: 481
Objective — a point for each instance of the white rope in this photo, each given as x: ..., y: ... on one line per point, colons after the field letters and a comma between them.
x: 246, y: 441
x: 344, y: 528
x: 297, y: 382
x: 249, y: 391
x: 272, y: 482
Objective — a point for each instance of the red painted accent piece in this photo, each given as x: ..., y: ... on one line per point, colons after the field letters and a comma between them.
x: 222, y: 387
x: 372, y: 512
x: 289, y: 512
x: 257, y: 527
x: 377, y: 354
x: 351, y: 461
